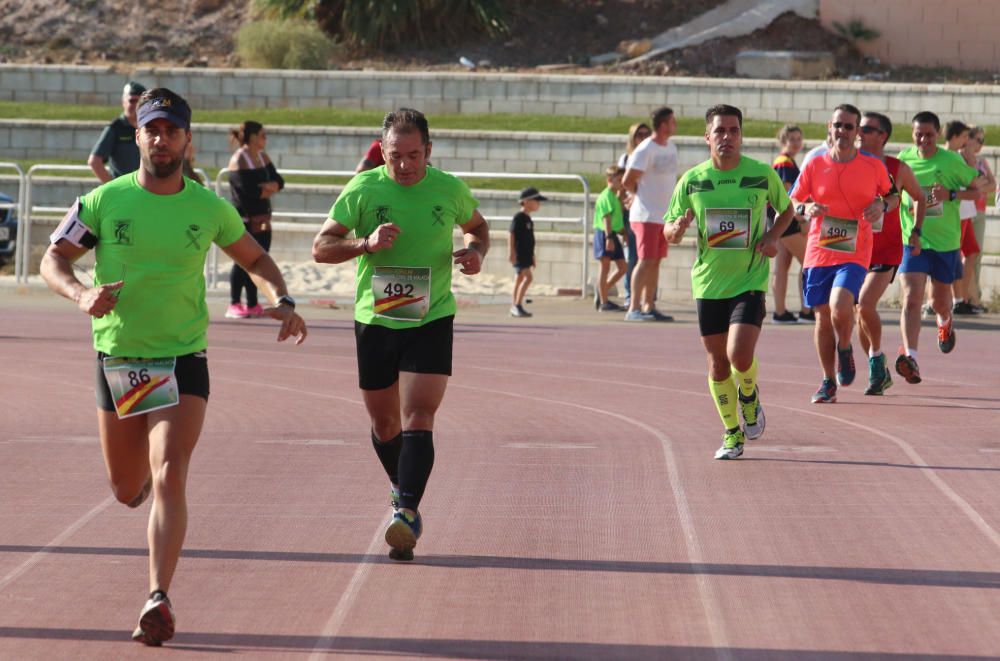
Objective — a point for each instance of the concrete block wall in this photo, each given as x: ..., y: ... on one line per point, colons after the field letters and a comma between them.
x: 437, y: 92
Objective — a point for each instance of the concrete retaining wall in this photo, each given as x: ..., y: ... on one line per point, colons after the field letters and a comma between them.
x: 437, y: 92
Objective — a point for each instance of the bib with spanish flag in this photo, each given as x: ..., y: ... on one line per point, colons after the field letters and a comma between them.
x: 401, y: 292
x: 139, y: 386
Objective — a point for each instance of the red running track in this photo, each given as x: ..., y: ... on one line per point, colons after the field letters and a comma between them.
x: 575, y: 510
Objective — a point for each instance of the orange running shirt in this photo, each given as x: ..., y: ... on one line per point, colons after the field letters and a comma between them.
x: 846, y: 189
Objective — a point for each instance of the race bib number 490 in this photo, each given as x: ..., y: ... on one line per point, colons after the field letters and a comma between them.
x: 401, y: 292
x: 728, y: 228
x: 140, y: 386
x: 838, y: 234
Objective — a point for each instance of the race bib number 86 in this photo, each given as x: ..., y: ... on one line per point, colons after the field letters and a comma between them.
x: 140, y: 386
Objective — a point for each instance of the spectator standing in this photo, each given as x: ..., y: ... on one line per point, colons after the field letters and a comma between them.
x: 608, y: 224
x: 116, y: 147
x: 521, y: 248
x: 968, y: 296
x: 793, y: 240
x: 650, y: 178
x: 636, y: 134
x: 253, y: 179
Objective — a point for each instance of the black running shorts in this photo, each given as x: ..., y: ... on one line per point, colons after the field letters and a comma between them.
x: 385, y: 352
x: 717, y: 315
x: 191, y: 372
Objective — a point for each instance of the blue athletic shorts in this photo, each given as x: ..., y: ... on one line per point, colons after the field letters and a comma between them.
x: 820, y: 281
x: 945, y: 267
x: 600, y: 246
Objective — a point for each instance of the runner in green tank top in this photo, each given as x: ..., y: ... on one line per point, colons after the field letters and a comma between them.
x: 725, y: 198
x: 403, y: 216
x: 151, y: 231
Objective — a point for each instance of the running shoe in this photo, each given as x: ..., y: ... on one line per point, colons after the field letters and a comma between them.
x: 237, y: 311
x: 659, y: 316
x: 255, y: 311
x: 964, y: 308
x: 785, y: 317
x: 732, y: 444
x: 519, y: 311
x: 827, y: 393
x: 143, y: 495
x: 156, y: 621
x: 404, y: 530
x: 946, y: 337
x: 637, y: 315
x: 753, y: 415
x: 879, y: 379
x: 927, y: 312
x: 807, y: 315
x: 845, y: 366
x: 907, y: 368
x: 394, y: 496
x: 608, y: 306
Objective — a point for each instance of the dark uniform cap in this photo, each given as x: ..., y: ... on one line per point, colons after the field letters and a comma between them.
x: 532, y: 194
x: 133, y: 88
x: 178, y: 114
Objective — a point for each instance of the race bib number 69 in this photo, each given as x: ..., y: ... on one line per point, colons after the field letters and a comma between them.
x: 728, y: 229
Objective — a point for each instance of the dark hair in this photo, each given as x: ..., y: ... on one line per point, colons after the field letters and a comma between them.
x: 847, y: 107
x: 241, y: 135
x: 786, y: 131
x: 927, y: 117
x: 406, y: 120
x: 884, y: 123
x: 955, y: 128
x: 722, y: 110
x: 660, y: 115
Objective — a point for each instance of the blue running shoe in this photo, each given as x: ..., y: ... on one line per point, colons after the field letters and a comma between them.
x: 879, y: 379
x: 827, y: 393
x: 404, y: 530
x: 394, y: 496
x: 845, y: 366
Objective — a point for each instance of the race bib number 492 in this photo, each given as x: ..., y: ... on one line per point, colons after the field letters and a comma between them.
x: 401, y: 292
x: 728, y: 228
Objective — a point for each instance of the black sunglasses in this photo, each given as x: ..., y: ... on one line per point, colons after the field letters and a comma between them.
x: 870, y: 129
x: 843, y: 125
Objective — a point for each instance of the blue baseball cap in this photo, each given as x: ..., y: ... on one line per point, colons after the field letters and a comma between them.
x: 176, y: 111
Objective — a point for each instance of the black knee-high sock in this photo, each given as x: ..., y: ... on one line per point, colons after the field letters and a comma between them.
x: 416, y: 460
x: 388, y: 454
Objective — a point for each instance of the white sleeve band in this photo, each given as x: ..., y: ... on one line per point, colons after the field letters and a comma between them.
x: 73, y: 230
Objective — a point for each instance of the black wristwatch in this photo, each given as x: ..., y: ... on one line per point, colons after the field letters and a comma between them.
x: 800, y: 210
x: 885, y: 206
x: 916, y: 230
x: 286, y: 300
x: 952, y: 195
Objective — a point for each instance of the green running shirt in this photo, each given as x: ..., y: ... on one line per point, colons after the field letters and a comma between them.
x: 157, y: 245
x: 730, y: 212
x: 942, y: 230
x: 426, y: 214
x: 608, y: 204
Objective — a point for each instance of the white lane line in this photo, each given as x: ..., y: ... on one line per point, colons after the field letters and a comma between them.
x: 324, y: 644
x: 37, y: 556
x: 709, y: 600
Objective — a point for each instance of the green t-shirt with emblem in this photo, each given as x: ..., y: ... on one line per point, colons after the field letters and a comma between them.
x: 157, y: 244
x: 730, y: 212
x: 426, y: 214
x: 942, y: 229
x: 608, y: 204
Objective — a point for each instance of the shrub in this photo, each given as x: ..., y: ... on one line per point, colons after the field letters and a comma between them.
x: 284, y: 45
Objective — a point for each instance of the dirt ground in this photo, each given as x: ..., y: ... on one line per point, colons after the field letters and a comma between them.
x: 556, y: 35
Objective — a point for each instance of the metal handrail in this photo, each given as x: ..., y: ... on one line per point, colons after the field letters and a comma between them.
x: 24, y: 260
x: 585, y: 226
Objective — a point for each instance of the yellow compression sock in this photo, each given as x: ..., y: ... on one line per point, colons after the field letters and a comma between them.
x: 747, y: 380
x: 724, y: 394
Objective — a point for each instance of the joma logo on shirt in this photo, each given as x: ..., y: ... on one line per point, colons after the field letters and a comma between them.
x: 726, y: 181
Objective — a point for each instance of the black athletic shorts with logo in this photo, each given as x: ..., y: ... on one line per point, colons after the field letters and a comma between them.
x: 717, y: 315
x: 385, y: 352
x: 190, y: 370
x: 884, y: 268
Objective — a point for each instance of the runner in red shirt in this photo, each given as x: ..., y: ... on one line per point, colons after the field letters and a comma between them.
x: 887, y: 247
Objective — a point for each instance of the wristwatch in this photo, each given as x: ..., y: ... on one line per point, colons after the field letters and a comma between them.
x: 286, y: 300
x: 916, y: 230
x: 800, y: 210
x: 952, y: 195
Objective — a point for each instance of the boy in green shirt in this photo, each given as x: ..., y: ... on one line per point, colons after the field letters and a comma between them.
x: 726, y: 199
x: 609, y: 222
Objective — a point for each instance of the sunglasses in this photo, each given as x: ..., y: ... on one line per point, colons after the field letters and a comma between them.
x: 843, y: 125
x: 870, y: 129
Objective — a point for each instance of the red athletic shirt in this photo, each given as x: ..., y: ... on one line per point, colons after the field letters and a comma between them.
x: 887, y: 245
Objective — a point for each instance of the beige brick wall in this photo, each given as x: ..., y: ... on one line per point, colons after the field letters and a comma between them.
x: 964, y: 34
